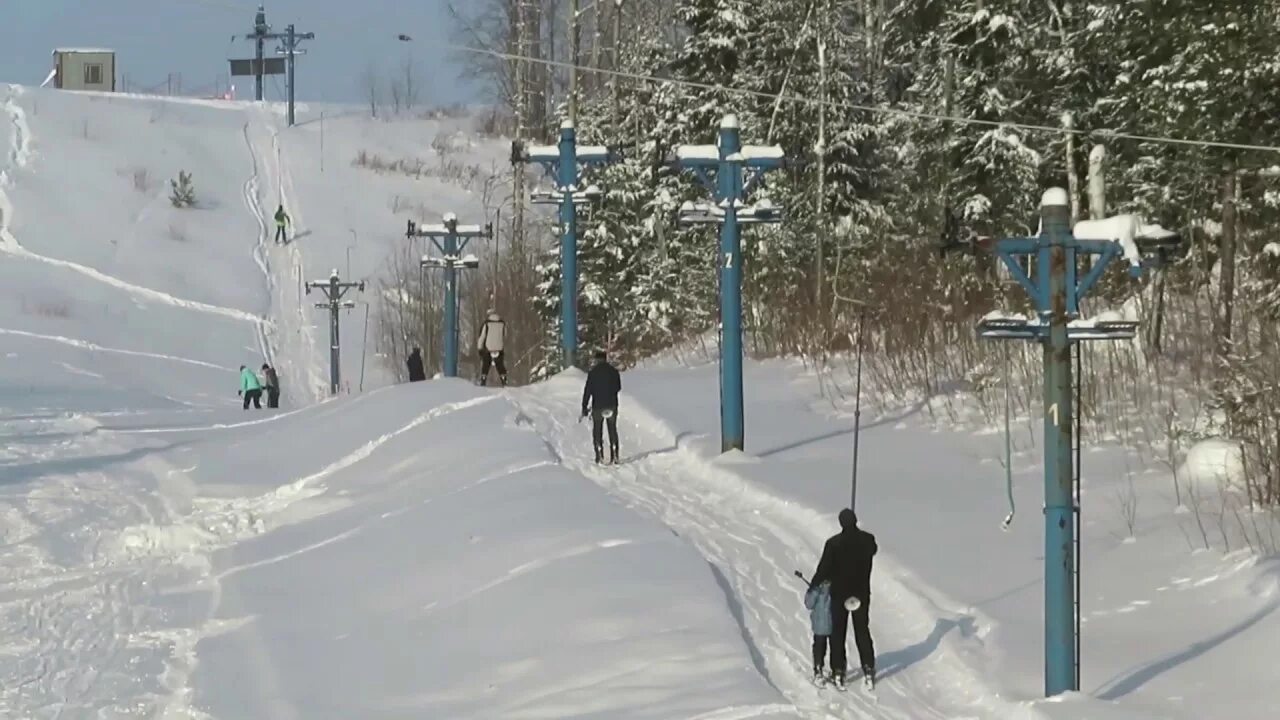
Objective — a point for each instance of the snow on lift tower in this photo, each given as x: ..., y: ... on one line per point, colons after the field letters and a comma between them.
x: 450, y: 239
x: 564, y: 164
x: 1056, y: 293
x: 730, y: 171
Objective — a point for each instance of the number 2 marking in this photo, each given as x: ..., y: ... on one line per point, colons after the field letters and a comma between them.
x: 728, y: 260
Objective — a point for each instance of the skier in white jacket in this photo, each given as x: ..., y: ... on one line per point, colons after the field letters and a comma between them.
x: 490, y: 347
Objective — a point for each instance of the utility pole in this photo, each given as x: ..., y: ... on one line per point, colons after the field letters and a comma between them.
x: 290, y: 50
x: 731, y: 171
x: 1056, y: 294
x: 821, y: 150
x: 259, y: 36
x: 334, y: 289
x: 617, y: 67
x: 575, y: 49
x: 260, y: 65
x: 565, y: 163
x: 455, y: 238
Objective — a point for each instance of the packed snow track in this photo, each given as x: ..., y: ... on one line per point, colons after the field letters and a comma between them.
x: 754, y: 542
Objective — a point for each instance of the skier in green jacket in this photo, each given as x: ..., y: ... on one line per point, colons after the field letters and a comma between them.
x: 250, y: 388
x: 282, y: 219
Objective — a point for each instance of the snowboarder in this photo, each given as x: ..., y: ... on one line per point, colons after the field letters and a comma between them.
x: 416, y: 371
x: 250, y: 388
x: 490, y: 347
x: 282, y: 219
x: 601, y: 395
x: 272, y: 381
x: 818, y: 600
x: 846, y: 564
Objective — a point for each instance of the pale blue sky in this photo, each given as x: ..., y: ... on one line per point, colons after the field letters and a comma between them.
x: 193, y: 37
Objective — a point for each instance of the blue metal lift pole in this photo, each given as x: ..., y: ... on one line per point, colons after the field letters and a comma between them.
x: 1055, y: 260
x: 451, y: 307
x: 732, y: 430
x: 450, y: 239
x: 737, y: 169
x: 567, y: 179
x: 1056, y: 292
x: 563, y: 162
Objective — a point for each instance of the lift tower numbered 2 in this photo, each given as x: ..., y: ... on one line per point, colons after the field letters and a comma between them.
x: 455, y: 238
x: 334, y: 289
x: 730, y: 171
x: 1056, y: 293
x: 564, y: 163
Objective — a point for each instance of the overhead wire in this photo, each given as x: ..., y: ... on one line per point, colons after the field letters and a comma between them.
x: 876, y: 109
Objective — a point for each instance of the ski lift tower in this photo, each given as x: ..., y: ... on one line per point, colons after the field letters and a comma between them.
x: 1056, y: 293
x: 451, y: 261
x: 730, y: 171
x: 564, y: 163
x: 334, y: 289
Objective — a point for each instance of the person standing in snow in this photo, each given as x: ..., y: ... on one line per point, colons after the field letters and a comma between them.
x: 846, y: 564
x: 818, y: 600
x: 600, y: 399
x: 416, y: 372
x: 250, y: 388
x: 282, y: 219
x: 490, y: 347
x: 272, y: 382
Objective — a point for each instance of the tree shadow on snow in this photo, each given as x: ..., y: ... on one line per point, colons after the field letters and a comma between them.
x: 892, y: 663
x: 18, y: 474
x: 913, y: 410
x: 1118, y: 687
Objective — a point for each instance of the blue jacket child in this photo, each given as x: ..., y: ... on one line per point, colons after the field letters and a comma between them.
x: 818, y: 600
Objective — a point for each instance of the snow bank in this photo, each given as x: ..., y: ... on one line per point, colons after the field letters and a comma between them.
x: 1213, y: 464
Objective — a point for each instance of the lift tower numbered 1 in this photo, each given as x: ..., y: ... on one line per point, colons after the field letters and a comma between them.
x: 455, y: 238
x: 565, y: 163
x: 334, y: 289
x: 1056, y: 293
x: 730, y: 171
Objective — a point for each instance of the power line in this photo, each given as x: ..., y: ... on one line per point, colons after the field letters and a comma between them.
x: 916, y: 114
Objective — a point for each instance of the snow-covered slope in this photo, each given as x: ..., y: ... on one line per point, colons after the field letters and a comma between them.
x: 435, y: 550
x: 410, y: 552
x: 1171, y: 629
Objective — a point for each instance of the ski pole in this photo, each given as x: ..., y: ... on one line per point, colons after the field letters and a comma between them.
x: 801, y: 576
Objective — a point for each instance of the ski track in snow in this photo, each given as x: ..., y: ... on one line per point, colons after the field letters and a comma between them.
x: 86, y: 345
x: 260, y: 248
x: 755, y: 541
x: 215, y: 524
x: 92, y: 644
x: 19, y: 157
x: 296, y: 266
x: 306, y: 356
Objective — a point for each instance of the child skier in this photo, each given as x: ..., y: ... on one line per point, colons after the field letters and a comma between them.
x: 818, y: 601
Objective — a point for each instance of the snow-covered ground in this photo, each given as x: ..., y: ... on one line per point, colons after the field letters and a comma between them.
x: 439, y: 550
x: 406, y: 552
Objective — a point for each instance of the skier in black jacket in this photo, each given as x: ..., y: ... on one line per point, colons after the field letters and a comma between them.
x: 600, y: 399
x: 846, y: 562
x: 416, y: 371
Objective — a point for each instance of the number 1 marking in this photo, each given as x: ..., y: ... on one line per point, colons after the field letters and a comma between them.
x: 1053, y: 410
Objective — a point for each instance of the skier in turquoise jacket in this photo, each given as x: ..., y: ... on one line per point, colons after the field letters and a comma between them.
x: 250, y: 388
